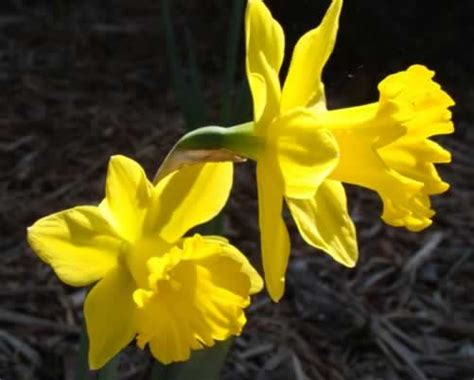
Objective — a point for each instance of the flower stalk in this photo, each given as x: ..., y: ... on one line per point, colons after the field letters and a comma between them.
x: 212, y: 144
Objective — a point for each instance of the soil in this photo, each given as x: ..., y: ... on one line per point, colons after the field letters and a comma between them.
x: 84, y: 80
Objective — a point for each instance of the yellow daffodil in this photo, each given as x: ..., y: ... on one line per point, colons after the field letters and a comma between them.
x: 175, y: 293
x: 304, y: 152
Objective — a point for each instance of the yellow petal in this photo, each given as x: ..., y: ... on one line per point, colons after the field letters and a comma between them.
x: 200, y: 299
x: 303, y: 86
x: 109, y: 311
x: 306, y: 152
x: 273, y: 233
x: 189, y: 197
x: 127, y: 196
x: 265, y: 44
x: 324, y: 222
x: 78, y: 243
x: 220, y: 247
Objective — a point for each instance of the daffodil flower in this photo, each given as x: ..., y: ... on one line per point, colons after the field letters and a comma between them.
x: 174, y: 293
x: 304, y: 152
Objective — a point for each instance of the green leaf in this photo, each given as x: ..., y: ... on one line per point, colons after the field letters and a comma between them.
x: 195, y: 93
x: 203, y: 364
x: 82, y: 364
x: 186, y: 81
x: 243, y: 101
x: 235, y: 27
x: 110, y: 370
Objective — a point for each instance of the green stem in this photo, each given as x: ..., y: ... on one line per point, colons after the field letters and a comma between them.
x: 82, y: 364
x: 205, y: 364
x: 239, y: 139
x: 212, y: 144
x: 110, y: 370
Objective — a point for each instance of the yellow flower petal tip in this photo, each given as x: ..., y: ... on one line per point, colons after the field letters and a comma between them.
x: 324, y: 222
x: 307, y: 151
x: 177, y: 294
x: 298, y: 152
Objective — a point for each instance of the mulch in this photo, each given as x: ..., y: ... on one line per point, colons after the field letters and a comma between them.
x: 81, y: 82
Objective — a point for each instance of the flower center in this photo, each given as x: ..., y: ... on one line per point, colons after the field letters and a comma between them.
x: 140, y: 253
x: 159, y: 277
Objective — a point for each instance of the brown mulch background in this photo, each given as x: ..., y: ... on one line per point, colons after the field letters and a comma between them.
x: 83, y: 80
